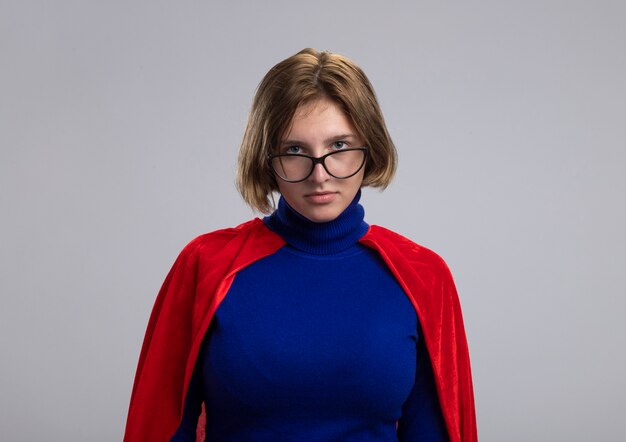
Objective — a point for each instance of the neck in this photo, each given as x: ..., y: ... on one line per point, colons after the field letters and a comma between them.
x: 319, y: 238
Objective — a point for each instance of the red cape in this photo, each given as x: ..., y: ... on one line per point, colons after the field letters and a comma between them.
x: 200, y: 279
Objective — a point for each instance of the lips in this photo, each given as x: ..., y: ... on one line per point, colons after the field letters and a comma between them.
x: 321, y: 197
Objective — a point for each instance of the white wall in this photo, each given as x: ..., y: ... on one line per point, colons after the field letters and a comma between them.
x: 119, y: 127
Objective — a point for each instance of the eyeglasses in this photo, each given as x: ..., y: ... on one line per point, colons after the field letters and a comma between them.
x: 296, y: 167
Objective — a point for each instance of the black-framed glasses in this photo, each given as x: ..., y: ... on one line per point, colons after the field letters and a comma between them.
x: 296, y: 167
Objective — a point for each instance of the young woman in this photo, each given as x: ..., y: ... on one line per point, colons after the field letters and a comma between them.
x: 307, y: 325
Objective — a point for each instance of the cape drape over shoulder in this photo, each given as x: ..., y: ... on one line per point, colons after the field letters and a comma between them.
x: 200, y: 279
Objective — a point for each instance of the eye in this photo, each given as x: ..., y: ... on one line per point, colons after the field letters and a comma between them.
x: 293, y: 149
x: 339, y: 145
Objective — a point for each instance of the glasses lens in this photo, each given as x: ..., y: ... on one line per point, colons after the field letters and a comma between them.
x: 292, y: 167
x: 344, y: 163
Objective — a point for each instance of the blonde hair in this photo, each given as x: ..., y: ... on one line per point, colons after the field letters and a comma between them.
x: 297, y: 80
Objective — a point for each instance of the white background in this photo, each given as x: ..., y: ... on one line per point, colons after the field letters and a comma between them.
x: 120, y: 123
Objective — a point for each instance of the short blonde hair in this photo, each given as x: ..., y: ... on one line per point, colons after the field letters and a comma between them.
x: 297, y: 80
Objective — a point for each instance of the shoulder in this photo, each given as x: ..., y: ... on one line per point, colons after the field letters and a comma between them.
x: 395, y: 247
x: 214, y: 243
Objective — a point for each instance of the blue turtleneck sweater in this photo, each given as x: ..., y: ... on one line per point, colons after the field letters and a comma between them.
x: 316, y: 342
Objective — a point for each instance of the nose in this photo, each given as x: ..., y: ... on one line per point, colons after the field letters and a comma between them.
x: 319, y: 174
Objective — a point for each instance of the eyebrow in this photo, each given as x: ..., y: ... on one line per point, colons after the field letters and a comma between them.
x: 326, y: 141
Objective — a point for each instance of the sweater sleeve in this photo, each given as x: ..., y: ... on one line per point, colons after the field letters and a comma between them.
x: 193, y: 405
x: 422, y: 419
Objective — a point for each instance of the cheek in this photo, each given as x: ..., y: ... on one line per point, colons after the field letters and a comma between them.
x: 282, y: 187
x: 357, y: 181
x: 288, y: 190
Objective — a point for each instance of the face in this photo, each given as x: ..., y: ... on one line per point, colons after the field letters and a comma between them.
x: 318, y: 128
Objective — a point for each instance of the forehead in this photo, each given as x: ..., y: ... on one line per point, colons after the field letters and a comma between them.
x: 320, y: 115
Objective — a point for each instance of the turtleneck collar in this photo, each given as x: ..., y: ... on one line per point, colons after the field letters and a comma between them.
x: 319, y: 238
